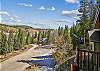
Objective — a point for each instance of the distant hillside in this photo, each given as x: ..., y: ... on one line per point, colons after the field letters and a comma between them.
x: 7, y: 28
x: 4, y: 25
x: 17, y: 26
x: 22, y: 26
x: 14, y: 28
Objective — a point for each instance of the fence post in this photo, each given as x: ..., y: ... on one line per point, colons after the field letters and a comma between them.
x: 75, y: 65
x: 77, y: 59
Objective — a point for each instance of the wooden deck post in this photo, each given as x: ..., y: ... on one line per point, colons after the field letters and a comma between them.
x: 75, y: 65
x: 77, y: 59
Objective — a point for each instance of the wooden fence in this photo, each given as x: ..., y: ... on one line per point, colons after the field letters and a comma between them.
x: 88, y: 60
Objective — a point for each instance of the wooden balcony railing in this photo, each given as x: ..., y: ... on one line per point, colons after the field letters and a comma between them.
x: 88, y: 60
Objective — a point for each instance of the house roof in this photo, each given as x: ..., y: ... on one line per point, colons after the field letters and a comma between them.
x: 92, y: 31
x: 95, y: 36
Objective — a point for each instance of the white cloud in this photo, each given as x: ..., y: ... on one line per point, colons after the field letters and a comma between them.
x: 13, y: 18
x: 77, y: 2
x: 52, y: 8
x: 72, y: 13
x: 42, y: 8
x: 17, y: 20
x: 0, y: 19
x: 5, y: 16
x: 4, y: 13
x: 72, y: 1
x: 25, y: 4
x: 63, y: 21
x: 52, y: 23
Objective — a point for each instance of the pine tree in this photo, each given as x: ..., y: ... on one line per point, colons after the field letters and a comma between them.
x: 28, y: 38
x: 48, y: 36
x: 86, y: 18
x: 22, y: 38
x: 18, y: 40
x: 10, y: 41
x: 35, y: 35
x: 59, y: 31
x: 3, y: 41
x: 43, y: 34
x: 65, y: 33
x: 38, y: 37
x: 15, y: 40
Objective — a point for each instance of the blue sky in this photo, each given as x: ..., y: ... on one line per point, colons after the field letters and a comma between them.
x: 39, y: 13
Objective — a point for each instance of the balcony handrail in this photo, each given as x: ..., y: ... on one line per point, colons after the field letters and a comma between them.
x: 84, y: 57
x: 84, y: 50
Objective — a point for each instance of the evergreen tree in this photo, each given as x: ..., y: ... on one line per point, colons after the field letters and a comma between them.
x: 35, y: 35
x: 66, y: 34
x: 59, y: 31
x: 18, y: 40
x: 43, y: 34
x: 28, y: 38
x: 86, y: 18
x: 10, y: 41
x: 15, y: 40
x: 48, y: 36
x: 38, y: 37
x: 3, y: 41
x: 22, y: 38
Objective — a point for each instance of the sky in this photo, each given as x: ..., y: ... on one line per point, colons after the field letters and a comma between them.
x: 39, y: 13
